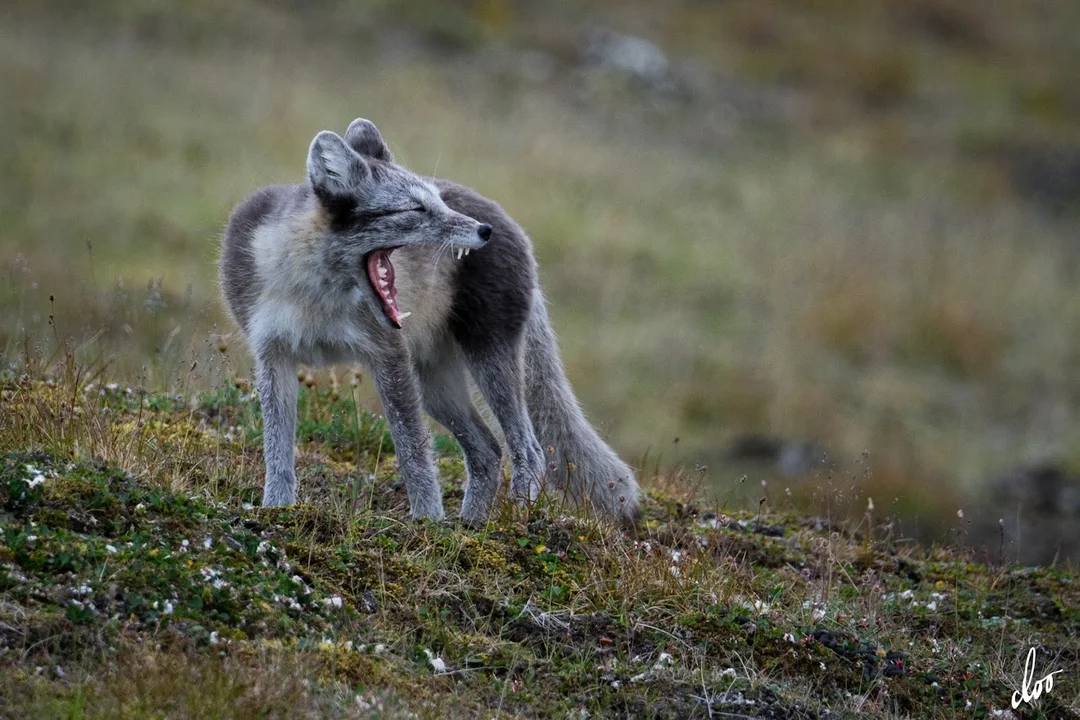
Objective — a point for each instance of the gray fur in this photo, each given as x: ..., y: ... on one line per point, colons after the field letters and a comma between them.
x: 363, y: 137
x: 399, y: 390
x: 293, y: 275
x: 447, y: 400
x: 276, y: 377
x: 582, y: 464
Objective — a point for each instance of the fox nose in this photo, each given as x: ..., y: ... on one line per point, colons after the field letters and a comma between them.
x: 484, y: 231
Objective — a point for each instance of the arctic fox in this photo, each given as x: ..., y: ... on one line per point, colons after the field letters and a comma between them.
x: 306, y: 272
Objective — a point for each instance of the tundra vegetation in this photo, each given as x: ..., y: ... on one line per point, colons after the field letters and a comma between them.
x: 840, y: 239
x: 139, y: 579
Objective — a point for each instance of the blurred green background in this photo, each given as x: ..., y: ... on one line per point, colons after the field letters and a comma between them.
x: 812, y: 252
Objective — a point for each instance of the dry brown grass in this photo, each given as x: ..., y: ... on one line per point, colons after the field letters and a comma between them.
x: 537, y: 614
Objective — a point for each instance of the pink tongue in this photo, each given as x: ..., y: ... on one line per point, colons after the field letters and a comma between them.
x: 381, y: 274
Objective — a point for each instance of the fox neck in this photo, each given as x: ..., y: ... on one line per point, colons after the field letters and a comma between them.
x: 299, y: 260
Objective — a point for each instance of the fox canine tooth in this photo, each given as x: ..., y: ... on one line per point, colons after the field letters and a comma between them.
x: 403, y: 315
x: 459, y: 252
x: 466, y: 251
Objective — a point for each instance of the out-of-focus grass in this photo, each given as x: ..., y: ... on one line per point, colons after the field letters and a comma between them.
x: 855, y: 288
x: 145, y: 583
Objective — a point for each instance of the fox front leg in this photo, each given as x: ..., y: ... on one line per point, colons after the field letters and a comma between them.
x: 399, y: 392
x: 276, y: 375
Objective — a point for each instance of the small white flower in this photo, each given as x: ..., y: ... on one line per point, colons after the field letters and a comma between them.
x: 37, y: 480
x: 730, y: 672
x: 436, y: 663
x: 214, y: 638
x: 207, y: 543
x: 31, y: 538
x: 248, y: 506
x: 334, y: 601
x: 83, y: 590
x: 789, y: 637
x: 380, y: 649
x: 168, y: 609
x: 907, y: 594
x: 932, y: 605
x: 111, y: 550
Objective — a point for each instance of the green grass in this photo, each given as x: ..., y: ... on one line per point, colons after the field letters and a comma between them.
x: 137, y: 579
x: 850, y: 275
x: 856, y: 272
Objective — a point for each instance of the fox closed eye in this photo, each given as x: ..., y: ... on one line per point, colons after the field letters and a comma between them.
x: 376, y: 214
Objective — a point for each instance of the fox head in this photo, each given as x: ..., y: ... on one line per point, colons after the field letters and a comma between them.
x: 375, y: 206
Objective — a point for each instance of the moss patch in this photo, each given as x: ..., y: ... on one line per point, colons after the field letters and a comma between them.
x: 538, y: 614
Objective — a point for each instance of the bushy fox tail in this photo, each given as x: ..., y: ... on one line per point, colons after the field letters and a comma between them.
x: 578, y: 461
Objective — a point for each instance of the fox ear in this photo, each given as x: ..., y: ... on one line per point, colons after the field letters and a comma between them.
x: 363, y: 137
x: 334, y: 169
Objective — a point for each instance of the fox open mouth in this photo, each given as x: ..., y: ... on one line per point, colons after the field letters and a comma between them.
x: 380, y: 272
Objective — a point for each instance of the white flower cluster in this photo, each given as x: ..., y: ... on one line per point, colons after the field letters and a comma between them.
x: 664, y: 661
x: 909, y: 594
x: 37, y: 477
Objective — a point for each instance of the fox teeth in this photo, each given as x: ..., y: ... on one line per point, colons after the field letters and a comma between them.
x: 382, y: 271
x: 466, y: 251
x: 403, y: 315
x: 459, y: 252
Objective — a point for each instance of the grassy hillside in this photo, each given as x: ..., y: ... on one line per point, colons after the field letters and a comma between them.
x: 845, y: 227
x: 145, y: 583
